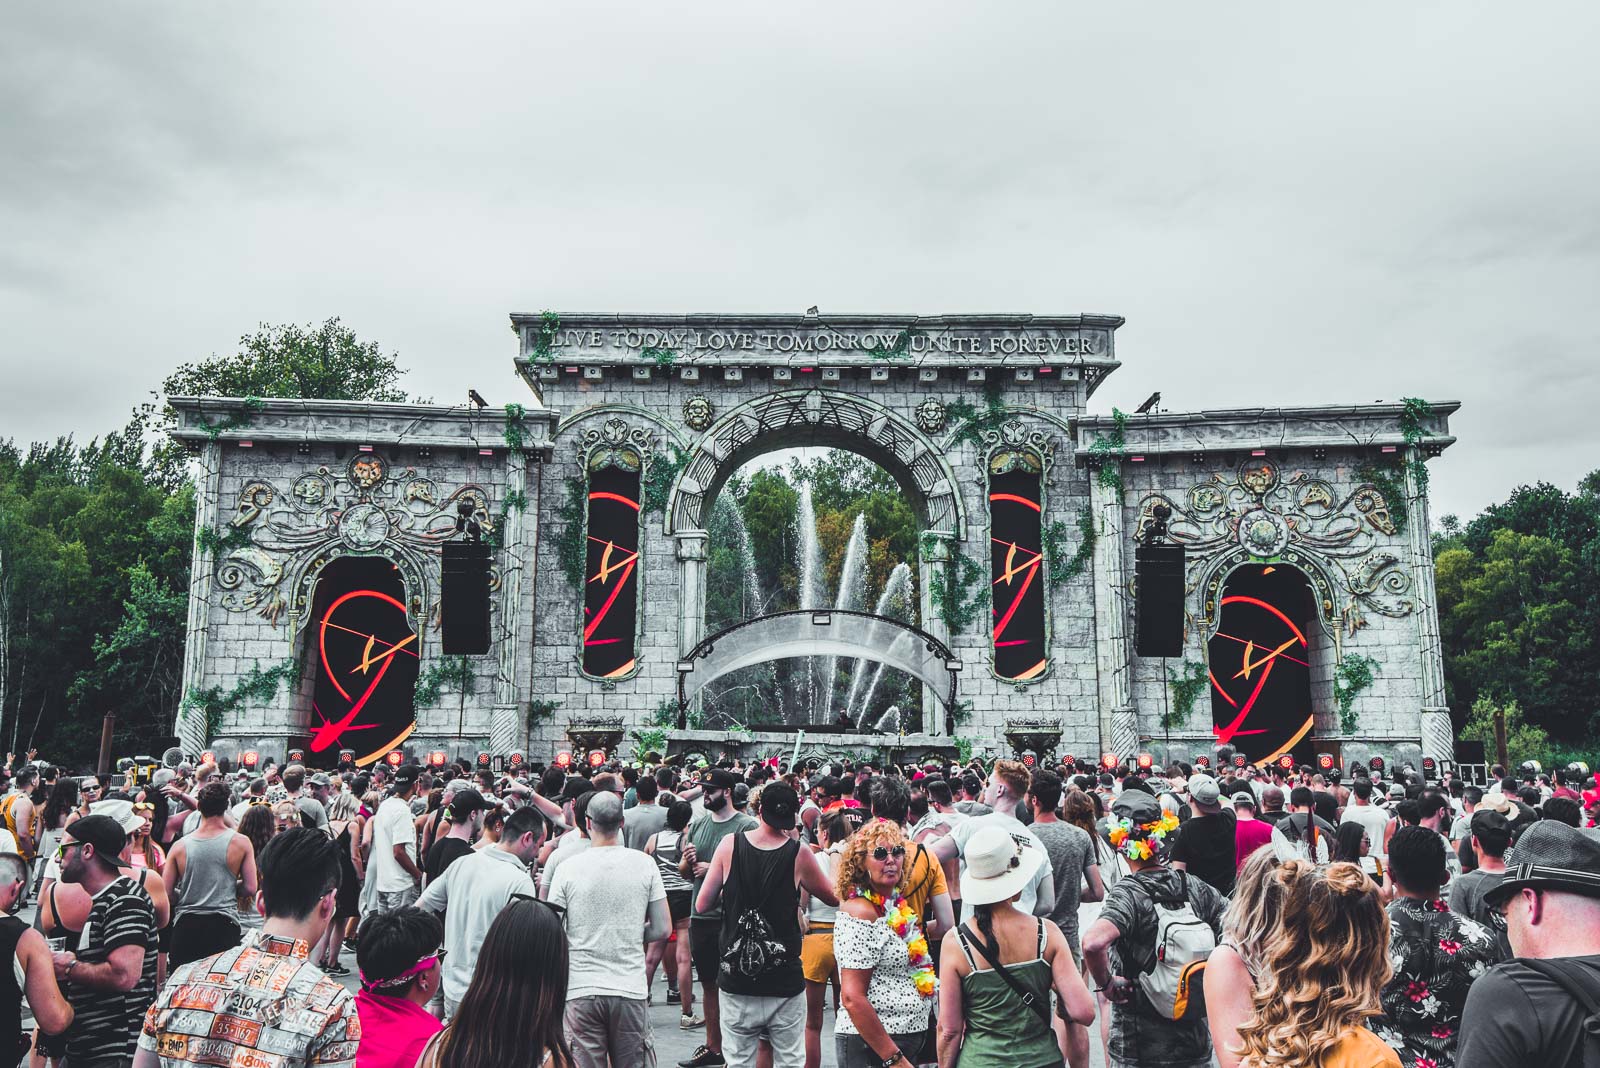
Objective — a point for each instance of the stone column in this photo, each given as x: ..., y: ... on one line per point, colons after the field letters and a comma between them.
x: 507, y: 729
x: 935, y: 551
x: 692, y: 546
x: 190, y: 724
x: 1435, y: 730
x: 1119, y: 722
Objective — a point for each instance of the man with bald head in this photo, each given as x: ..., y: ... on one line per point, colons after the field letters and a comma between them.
x: 615, y: 902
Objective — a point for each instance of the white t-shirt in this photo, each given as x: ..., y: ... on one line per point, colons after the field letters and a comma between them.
x: 1373, y: 819
x: 571, y: 845
x: 607, y: 891
x: 964, y: 830
x: 392, y: 824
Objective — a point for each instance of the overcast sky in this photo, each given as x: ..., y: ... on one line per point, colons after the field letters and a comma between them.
x: 1290, y: 203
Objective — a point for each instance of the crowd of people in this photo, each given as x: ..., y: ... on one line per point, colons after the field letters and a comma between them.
x: 981, y: 915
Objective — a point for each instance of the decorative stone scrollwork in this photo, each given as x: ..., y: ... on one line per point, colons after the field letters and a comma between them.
x: 614, y: 444
x: 698, y: 412
x: 1015, y: 447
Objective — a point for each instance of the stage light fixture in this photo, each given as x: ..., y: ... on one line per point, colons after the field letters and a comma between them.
x: 564, y: 758
x: 1202, y: 761
x: 1430, y: 768
x: 1069, y: 760
x: 207, y: 756
x: 1286, y: 762
x: 597, y: 757
x: 1325, y: 761
x: 438, y: 758
x: 515, y: 760
x: 250, y: 758
x: 1028, y: 759
x: 484, y: 760
x: 1108, y: 760
x: 1146, y: 761
x: 395, y: 758
x: 297, y: 756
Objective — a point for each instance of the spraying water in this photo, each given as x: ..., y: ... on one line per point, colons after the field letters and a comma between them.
x: 809, y: 564
x: 894, y: 587
x: 848, y: 598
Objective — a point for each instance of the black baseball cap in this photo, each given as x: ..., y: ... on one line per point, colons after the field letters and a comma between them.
x: 779, y: 803
x: 105, y: 834
x: 722, y: 779
x: 465, y: 803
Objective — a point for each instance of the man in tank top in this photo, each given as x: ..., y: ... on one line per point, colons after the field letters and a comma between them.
x: 32, y: 973
x: 203, y: 875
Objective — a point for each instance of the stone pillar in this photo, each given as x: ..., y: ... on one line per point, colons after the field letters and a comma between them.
x: 189, y: 725
x: 1435, y: 730
x: 691, y: 588
x: 1119, y: 722
x: 935, y: 552
x: 507, y: 728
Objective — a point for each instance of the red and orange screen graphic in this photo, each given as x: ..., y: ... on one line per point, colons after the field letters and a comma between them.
x: 1261, y: 664
x: 611, y: 577
x: 1016, y: 565
x: 367, y: 661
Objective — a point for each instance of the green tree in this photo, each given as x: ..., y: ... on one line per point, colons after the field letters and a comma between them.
x: 325, y: 362
x: 1524, y: 741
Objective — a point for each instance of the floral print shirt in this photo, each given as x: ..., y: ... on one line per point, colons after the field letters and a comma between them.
x: 1436, y: 955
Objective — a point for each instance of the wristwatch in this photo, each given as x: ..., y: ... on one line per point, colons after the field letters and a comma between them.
x: 897, y: 1057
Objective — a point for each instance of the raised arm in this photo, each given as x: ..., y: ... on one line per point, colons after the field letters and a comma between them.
x: 51, y: 1011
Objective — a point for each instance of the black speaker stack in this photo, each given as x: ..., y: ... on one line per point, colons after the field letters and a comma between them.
x: 464, y: 598
x: 1158, y: 600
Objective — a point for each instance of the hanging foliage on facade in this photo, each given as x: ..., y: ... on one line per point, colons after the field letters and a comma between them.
x: 1186, y: 687
x: 545, y: 337
x: 1107, y: 448
x: 1063, y: 567
x: 1352, y: 675
x: 452, y: 671
x: 258, y: 686
x: 235, y: 421
x: 513, y: 432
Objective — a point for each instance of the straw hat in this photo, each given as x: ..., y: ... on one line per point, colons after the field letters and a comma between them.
x: 998, y: 866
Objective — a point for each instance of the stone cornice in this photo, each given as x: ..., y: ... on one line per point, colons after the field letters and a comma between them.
x: 1279, y: 430
x: 292, y: 421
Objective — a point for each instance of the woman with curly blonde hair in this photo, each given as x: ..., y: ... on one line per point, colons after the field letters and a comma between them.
x: 1320, y: 976
x: 886, y: 976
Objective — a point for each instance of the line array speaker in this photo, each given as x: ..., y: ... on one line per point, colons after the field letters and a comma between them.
x: 1158, y: 603
x: 464, y: 599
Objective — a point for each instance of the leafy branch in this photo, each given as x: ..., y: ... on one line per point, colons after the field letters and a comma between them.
x: 658, y: 479
x: 454, y: 670
x: 1107, y: 447
x: 902, y: 344
x: 549, y: 323
x: 1352, y: 675
x: 571, y: 543
x: 664, y: 359
x: 221, y: 540
x: 953, y: 595
x: 259, y: 685
x: 1185, y: 690
x: 541, y: 710
x: 973, y: 421
x: 1064, y: 568
x: 513, y: 434
x: 235, y: 421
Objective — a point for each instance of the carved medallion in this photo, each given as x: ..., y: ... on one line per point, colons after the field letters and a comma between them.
x: 1258, y: 476
x: 930, y: 416
x: 367, y: 471
x: 615, y: 444
x: 363, y: 526
x: 1263, y: 533
x: 698, y: 412
x: 1205, y: 498
x: 1317, y: 499
x: 310, y: 492
x: 1370, y: 503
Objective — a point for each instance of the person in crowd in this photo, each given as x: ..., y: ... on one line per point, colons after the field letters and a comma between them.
x: 109, y: 975
x: 60, y: 809
x: 1538, y: 1008
x: 1249, y: 833
x: 343, y: 814
x: 463, y: 814
x: 397, y: 878
x: 1076, y: 874
x: 1370, y: 815
x: 1207, y: 842
x: 1352, y: 844
x: 927, y: 894
x: 1489, y: 837
x: 1122, y: 943
x: 32, y: 975
x: 886, y: 973
x: 998, y: 969
x: 258, y: 827
x: 1320, y: 975
x: 973, y: 801
x: 665, y: 847
x: 1461, y: 824
x: 17, y: 810
x: 754, y: 878
x: 263, y: 998
x: 476, y: 888
x: 646, y: 818
x: 719, y: 820
x: 1007, y: 786
x: 204, y: 876
x: 1436, y: 954
x: 511, y: 1015
x: 817, y: 963
x: 494, y: 822
x: 1086, y: 812
x: 570, y: 844
x: 612, y: 896
x: 145, y: 851
x: 1233, y: 968
x: 1302, y: 833
x: 400, y: 960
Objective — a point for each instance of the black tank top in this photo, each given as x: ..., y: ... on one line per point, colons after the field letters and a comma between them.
x: 11, y: 929
x: 763, y: 879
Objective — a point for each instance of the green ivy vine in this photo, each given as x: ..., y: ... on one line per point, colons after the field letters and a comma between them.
x: 1186, y: 689
x: 539, y: 711
x: 516, y: 501
x: 259, y: 685
x: 235, y: 421
x: 664, y: 359
x: 1109, y: 447
x: 658, y: 479
x: 1385, y: 479
x: 963, y: 750
x: 1352, y: 675
x: 1413, y: 412
x: 571, y: 541
x: 549, y: 323
x: 1064, y: 568
x: 902, y: 344
x: 954, y: 597
x: 453, y: 670
x: 513, y: 434
x: 221, y: 540
x: 972, y: 420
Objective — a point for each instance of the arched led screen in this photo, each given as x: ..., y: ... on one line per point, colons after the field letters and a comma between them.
x: 366, y: 658
x: 611, y: 583
x: 1260, y: 663
x: 1016, y: 561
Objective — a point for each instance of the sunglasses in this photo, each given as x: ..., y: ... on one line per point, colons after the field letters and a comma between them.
x: 883, y: 853
x: 61, y: 850
x: 561, y: 913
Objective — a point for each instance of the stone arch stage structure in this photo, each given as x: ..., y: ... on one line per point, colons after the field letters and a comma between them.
x: 596, y: 482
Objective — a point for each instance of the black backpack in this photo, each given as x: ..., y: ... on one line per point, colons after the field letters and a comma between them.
x: 1580, y: 983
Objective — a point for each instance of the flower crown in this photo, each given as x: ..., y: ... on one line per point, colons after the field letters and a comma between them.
x: 1134, y: 841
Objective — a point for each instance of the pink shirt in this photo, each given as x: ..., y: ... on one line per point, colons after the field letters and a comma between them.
x: 1249, y: 836
x: 393, y: 1031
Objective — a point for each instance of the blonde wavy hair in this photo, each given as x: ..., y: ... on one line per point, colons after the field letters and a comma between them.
x: 851, y: 874
x: 1323, y: 967
x: 1255, y: 908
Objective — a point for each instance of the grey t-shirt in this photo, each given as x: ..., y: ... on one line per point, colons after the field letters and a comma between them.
x: 1139, y: 1034
x: 1071, y: 856
x: 1466, y: 899
x: 640, y: 822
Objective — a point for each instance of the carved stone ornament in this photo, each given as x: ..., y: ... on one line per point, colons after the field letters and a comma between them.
x: 930, y: 416
x: 1261, y: 513
x: 614, y: 444
x: 1015, y: 447
x: 362, y: 509
x: 698, y: 412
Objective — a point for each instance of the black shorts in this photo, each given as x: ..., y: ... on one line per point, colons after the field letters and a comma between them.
x: 680, y: 903
x: 705, y: 949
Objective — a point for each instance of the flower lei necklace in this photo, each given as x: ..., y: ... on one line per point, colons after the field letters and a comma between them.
x: 903, y: 922
x: 1139, y: 848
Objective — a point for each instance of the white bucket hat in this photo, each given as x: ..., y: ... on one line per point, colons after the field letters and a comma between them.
x: 998, y: 866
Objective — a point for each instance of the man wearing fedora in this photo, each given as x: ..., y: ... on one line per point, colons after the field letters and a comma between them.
x: 1542, y: 1008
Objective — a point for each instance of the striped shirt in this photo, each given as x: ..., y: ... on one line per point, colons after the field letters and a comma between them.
x: 107, y: 1021
x: 262, y: 1004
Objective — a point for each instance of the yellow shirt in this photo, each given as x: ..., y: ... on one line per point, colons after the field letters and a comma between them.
x: 1360, y: 1048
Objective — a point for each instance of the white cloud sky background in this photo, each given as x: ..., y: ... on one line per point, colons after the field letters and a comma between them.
x: 1290, y: 204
